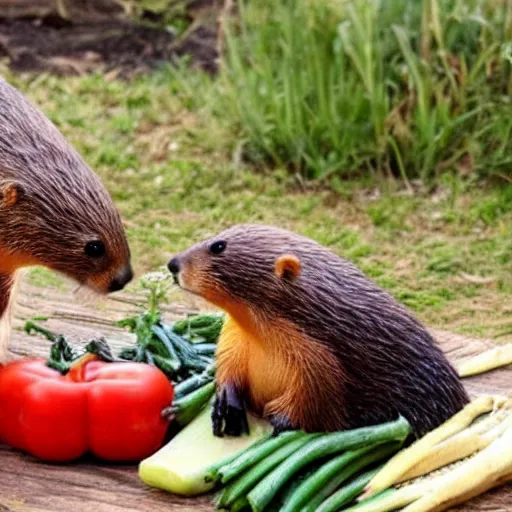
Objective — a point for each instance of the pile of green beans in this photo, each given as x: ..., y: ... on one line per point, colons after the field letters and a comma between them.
x: 295, y: 471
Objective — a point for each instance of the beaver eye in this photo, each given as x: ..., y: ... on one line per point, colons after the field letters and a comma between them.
x: 218, y: 247
x: 95, y: 249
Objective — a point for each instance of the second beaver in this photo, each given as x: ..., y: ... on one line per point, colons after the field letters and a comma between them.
x: 309, y: 341
x: 54, y: 211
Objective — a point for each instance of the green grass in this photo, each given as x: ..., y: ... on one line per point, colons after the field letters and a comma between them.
x: 367, y: 88
x: 175, y: 183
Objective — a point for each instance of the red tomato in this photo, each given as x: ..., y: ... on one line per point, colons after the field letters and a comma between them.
x: 112, y: 410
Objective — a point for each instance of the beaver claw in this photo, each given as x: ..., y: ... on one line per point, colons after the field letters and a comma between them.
x: 280, y: 423
x: 228, y: 415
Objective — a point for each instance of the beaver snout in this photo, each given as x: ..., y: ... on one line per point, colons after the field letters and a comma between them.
x: 123, y: 277
x: 174, y: 265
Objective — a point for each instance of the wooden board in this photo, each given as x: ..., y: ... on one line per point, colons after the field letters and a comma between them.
x: 85, y: 486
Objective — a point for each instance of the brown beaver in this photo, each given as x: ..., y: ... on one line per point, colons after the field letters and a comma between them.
x: 309, y: 341
x: 54, y: 211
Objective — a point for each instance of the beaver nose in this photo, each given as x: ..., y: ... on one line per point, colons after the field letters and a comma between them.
x: 123, y: 277
x: 174, y: 265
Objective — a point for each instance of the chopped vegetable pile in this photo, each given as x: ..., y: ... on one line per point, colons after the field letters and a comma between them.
x: 361, y: 470
x: 180, y: 350
x: 58, y: 429
x: 482, y: 452
x: 295, y: 471
x: 183, y: 351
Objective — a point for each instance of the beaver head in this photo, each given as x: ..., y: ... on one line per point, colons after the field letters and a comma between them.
x: 259, y: 266
x: 264, y: 271
x: 54, y: 211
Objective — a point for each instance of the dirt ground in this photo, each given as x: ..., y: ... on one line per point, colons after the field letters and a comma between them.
x: 113, y: 45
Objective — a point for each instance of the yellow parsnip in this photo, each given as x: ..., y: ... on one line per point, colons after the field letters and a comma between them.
x: 489, y: 468
x: 408, y: 458
x: 486, y: 361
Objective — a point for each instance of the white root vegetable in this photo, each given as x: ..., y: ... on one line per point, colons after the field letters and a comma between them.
x: 408, y: 458
x: 486, y: 361
x: 462, y: 445
x: 487, y: 469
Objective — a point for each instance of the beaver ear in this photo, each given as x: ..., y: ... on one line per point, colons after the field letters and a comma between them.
x: 10, y: 193
x: 287, y: 266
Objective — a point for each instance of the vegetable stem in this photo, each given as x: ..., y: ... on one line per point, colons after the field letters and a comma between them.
x: 487, y: 469
x: 461, y: 445
x: 486, y: 361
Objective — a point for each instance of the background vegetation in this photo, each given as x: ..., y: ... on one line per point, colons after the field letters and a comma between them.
x: 381, y: 129
x: 412, y: 89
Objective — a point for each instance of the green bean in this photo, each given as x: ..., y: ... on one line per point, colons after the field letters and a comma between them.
x: 196, y: 322
x: 333, y: 473
x: 380, y: 453
x: 347, y: 493
x: 205, y: 348
x: 161, y: 335
x: 150, y: 358
x: 247, y: 480
x: 212, y: 474
x: 194, y: 382
x: 286, y: 492
x: 328, y: 444
x: 188, y: 355
x: 240, y: 504
x: 209, y: 334
x: 187, y: 408
x: 384, y: 501
x: 256, y: 453
x: 167, y: 365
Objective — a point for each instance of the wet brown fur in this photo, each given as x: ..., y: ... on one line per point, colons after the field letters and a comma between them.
x: 322, y: 345
x: 51, y: 203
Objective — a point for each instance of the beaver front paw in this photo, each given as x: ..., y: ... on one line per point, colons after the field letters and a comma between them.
x: 281, y: 423
x: 228, y: 415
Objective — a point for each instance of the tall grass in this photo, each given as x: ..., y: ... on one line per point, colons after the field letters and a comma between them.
x: 336, y: 88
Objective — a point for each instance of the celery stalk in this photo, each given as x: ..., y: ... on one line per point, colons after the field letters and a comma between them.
x: 181, y: 465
